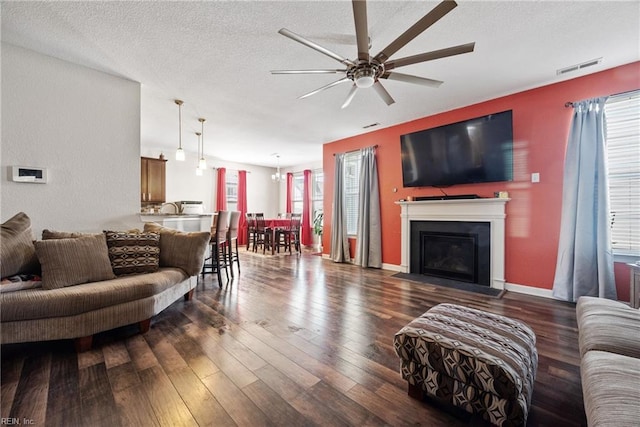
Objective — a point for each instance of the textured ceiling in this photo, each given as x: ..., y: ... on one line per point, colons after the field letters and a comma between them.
x: 216, y: 56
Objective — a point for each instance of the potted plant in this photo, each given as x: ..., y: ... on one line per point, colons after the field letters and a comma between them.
x: 317, y: 226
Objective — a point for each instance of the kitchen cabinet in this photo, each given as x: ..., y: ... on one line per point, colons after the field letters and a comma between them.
x: 152, y: 180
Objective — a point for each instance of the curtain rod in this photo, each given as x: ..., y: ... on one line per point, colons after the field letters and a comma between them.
x: 572, y: 103
x: 231, y: 170
x: 357, y: 149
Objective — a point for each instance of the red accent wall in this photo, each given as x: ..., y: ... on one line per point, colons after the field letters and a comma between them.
x: 541, y: 127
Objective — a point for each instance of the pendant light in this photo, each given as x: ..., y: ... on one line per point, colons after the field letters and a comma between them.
x: 198, y: 169
x: 180, y: 152
x: 202, y: 164
x: 276, y: 177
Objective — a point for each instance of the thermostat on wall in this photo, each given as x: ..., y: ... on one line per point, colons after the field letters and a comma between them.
x: 32, y: 174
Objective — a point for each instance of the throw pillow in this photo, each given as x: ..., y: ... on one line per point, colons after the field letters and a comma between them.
x: 181, y: 249
x: 17, y: 253
x: 68, y: 262
x: 133, y: 253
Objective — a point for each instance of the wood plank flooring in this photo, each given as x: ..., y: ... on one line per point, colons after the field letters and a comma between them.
x: 292, y: 340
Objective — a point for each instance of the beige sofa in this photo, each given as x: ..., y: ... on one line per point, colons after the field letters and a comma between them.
x: 610, y: 361
x: 92, y: 282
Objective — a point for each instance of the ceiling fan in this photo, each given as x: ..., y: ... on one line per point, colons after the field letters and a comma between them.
x: 366, y: 71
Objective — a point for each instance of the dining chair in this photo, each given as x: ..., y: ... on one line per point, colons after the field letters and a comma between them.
x: 262, y: 234
x: 217, y: 258
x: 289, y: 236
x: 232, y: 240
x: 251, y: 229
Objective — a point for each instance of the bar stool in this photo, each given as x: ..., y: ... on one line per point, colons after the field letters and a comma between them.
x: 232, y: 240
x: 217, y: 258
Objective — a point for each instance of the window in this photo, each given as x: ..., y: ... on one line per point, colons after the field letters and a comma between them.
x: 232, y: 191
x: 351, y: 190
x: 317, y: 193
x: 298, y: 193
x: 623, y: 149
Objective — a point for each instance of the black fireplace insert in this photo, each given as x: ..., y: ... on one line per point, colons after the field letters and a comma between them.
x: 454, y: 250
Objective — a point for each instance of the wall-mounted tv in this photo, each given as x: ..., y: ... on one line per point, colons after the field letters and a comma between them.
x: 471, y: 151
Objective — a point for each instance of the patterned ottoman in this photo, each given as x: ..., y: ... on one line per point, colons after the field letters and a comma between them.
x: 481, y: 362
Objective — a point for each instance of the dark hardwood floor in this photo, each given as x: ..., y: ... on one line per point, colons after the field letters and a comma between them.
x: 291, y: 341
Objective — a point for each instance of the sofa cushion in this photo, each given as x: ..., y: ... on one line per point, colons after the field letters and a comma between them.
x: 17, y: 253
x: 180, y: 249
x: 133, y: 253
x: 610, y: 389
x: 608, y: 325
x: 41, y: 304
x: 68, y: 262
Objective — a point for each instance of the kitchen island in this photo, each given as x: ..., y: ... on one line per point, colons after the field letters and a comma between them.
x: 182, y: 222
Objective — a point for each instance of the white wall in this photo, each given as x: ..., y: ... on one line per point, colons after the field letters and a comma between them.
x: 84, y: 127
x: 183, y: 184
x: 295, y: 169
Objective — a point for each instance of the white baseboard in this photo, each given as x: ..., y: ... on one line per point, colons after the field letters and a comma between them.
x: 529, y: 290
x: 392, y: 267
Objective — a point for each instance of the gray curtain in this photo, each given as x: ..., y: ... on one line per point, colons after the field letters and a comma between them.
x: 369, y: 240
x: 339, y: 238
x: 585, y: 257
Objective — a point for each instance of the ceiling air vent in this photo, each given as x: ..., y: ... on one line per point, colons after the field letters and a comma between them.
x: 577, y: 67
x: 371, y: 125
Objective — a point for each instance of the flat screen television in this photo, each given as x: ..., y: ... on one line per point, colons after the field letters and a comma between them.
x: 471, y: 151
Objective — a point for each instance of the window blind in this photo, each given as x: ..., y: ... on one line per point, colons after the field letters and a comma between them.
x: 317, y: 192
x: 622, y: 114
x: 298, y: 192
x: 351, y: 189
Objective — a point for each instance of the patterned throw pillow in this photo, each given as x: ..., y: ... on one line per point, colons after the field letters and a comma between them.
x: 133, y: 253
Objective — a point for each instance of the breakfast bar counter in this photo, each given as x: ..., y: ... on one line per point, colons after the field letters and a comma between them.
x: 182, y: 222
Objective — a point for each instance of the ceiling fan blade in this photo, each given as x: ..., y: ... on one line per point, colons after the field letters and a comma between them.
x: 430, y: 56
x: 350, y: 96
x: 411, y: 79
x: 425, y: 22
x: 315, y: 46
x: 382, y: 92
x: 343, y: 80
x: 307, y: 71
x: 362, y: 32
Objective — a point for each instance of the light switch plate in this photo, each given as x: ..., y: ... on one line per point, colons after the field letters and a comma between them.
x: 535, y: 177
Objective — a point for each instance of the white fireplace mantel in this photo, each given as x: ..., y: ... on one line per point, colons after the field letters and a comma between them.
x: 490, y: 210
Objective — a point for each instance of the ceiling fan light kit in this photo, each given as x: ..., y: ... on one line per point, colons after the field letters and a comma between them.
x: 366, y: 72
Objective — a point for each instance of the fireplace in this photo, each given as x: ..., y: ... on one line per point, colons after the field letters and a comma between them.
x: 490, y: 211
x: 458, y: 251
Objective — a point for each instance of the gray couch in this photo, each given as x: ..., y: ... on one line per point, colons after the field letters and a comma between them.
x: 93, y: 282
x: 610, y: 361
